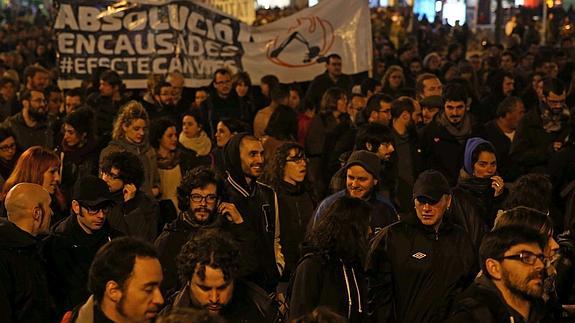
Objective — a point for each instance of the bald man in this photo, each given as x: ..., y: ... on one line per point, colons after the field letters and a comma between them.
x: 24, y: 293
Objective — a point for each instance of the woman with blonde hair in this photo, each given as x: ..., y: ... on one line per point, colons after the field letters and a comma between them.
x: 130, y: 134
x: 393, y: 81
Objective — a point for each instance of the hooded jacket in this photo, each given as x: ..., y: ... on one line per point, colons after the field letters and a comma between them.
x: 69, y: 252
x: 257, y: 203
x: 323, y: 280
x: 483, y: 303
x: 24, y: 292
x: 414, y: 272
x: 147, y: 156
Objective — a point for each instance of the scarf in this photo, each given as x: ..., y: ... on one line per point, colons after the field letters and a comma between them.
x: 202, y: 144
x: 460, y: 131
x: 169, y: 162
x: 554, y: 122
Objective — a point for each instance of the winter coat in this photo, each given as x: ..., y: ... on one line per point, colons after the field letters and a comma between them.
x: 297, y: 205
x: 323, y: 82
x: 147, y: 156
x: 137, y: 218
x: 24, y: 292
x: 442, y: 151
x: 175, y: 235
x: 483, y: 303
x: 506, y: 167
x: 69, y: 252
x: 249, y: 304
x: 26, y: 137
x: 414, y: 272
x: 323, y: 280
x: 533, y: 146
x: 77, y: 163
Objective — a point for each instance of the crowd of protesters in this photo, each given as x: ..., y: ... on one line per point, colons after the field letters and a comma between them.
x: 440, y: 189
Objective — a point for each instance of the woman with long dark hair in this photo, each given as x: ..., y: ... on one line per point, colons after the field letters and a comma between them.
x: 331, y: 272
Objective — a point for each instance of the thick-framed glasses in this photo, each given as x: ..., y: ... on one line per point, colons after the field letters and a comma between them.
x: 9, y: 147
x: 526, y: 257
x: 197, y: 198
x: 96, y: 210
x: 297, y: 160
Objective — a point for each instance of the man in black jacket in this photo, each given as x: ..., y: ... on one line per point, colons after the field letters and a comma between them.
x: 200, y: 199
x: 332, y: 77
x: 257, y: 202
x: 24, y: 292
x: 208, y: 268
x: 511, y: 286
x: 417, y: 265
x: 74, y: 241
x: 443, y: 140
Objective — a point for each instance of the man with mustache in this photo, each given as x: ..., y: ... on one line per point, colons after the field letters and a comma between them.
x: 201, y: 203
x: 30, y: 126
x: 511, y: 286
x: 74, y: 241
x: 208, y: 270
x: 125, y: 280
x: 257, y: 202
x: 443, y: 139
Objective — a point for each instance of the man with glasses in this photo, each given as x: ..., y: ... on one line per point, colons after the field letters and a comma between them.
x: 202, y: 206
x: 378, y: 109
x: 542, y: 132
x: 223, y: 102
x: 74, y: 241
x: 511, y: 286
x: 133, y: 213
x: 416, y: 266
x: 30, y: 126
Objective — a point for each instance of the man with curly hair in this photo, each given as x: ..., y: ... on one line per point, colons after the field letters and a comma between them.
x: 200, y: 200
x: 208, y: 268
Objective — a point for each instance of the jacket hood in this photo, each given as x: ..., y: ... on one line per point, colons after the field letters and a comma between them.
x: 470, y: 147
x: 232, y: 160
x: 14, y: 237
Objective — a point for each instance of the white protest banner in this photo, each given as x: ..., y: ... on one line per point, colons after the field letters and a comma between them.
x: 141, y: 37
x: 292, y: 48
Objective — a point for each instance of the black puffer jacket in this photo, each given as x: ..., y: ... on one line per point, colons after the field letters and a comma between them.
x: 414, y: 272
x: 137, y: 218
x: 24, y: 292
x: 257, y: 203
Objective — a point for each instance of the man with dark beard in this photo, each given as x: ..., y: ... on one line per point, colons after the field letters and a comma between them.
x: 209, y: 270
x: 200, y: 201
x: 30, y: 126
x: 511, y: 286
x: 164, y: 102
x: 443, y: 139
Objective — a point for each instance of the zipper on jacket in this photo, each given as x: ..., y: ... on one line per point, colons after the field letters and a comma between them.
x: 349, y: 302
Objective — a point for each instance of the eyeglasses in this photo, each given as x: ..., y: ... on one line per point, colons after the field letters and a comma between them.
x: 210, y: 198
x: 297, y: 160
x: 525, y: 257
x: 112, y: 176
x: 223, y: 82
x: 555, y: 102
x: 94, y: 211
x: 40, y: 101
x: 384, y: 111
x: 5, y: 148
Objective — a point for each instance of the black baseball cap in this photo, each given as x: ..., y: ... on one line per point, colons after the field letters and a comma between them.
x: 92, y: 191
x: 430, y: 186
